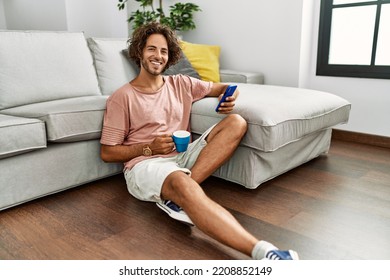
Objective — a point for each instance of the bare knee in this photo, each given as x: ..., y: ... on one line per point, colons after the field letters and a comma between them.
x: 232, y: 129
x: 180, y: 188
x: 234, y: 126
x: 237, y: 124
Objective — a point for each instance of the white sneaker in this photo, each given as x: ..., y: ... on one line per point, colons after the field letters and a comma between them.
x: 175, y: 211
x: 281, y: 255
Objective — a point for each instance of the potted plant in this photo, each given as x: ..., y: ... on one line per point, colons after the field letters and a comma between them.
x: 180, y: 14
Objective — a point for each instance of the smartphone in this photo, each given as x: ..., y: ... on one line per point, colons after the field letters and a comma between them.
x: 228, y: 92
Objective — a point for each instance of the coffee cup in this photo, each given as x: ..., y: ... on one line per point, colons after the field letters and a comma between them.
x: 181, y: 138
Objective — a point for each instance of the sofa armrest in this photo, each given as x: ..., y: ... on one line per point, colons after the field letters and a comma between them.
x: 233, y: 76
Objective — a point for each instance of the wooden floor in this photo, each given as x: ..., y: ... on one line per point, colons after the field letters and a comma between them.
x: 334, y: 207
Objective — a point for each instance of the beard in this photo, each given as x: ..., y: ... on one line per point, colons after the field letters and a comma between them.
x: 151, y: 68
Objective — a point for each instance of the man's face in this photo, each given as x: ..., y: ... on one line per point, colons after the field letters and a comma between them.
x: 155, y: 54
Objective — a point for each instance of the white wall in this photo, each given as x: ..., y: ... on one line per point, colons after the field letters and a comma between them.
x: 3, y: 23
x: 98, y: 18
x: 255, y: 35
x: 35, y: 15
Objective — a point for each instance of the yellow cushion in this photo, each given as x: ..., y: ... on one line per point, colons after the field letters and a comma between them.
x: 204, y: 59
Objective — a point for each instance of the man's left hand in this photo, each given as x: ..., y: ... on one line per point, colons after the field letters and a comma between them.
x: 227, y: 106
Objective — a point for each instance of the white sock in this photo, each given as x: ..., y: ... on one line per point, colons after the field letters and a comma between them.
x: 261, y: 248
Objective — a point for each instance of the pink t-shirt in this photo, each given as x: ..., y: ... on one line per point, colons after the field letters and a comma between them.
x: 134, y: 117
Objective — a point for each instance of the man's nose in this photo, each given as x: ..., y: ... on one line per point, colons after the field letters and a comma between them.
x: 158, y: 53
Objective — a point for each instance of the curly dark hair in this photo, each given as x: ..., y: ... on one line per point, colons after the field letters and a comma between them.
x: 141, y: 34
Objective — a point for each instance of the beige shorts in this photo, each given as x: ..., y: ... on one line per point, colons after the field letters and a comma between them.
x: 144, y: 181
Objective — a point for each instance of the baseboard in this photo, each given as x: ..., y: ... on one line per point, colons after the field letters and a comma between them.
x: 363, y: 138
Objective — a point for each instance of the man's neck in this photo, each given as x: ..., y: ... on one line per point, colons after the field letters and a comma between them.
x: 147, y: 82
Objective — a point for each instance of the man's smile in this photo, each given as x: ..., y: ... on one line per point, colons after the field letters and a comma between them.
x: 156, y: 62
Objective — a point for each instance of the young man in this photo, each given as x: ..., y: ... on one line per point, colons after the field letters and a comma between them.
x: 138, y: 124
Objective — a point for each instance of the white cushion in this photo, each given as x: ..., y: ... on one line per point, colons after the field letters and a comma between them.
x: 40, y: 66
x: 112, y: 67
x: 67, y: 120
x: 20, y: 135
x: 276, y: 115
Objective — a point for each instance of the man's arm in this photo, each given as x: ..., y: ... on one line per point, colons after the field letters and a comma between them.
x: 218, y: 90
x: 122, y: 153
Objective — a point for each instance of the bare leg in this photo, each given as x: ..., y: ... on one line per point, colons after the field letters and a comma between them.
x: 221, y: 144
x: 206, y: 214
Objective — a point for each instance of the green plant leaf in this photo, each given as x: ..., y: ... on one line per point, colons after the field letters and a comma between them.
x: 180, y: 14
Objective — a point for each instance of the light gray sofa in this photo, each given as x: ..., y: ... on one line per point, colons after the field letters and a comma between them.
x: 53, y: 89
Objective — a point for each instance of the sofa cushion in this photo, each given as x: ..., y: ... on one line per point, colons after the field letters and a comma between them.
x: 234, y: 76
x: 51, y: 65
x: 67, y: 120
x: 112, y: 67
x: 20, y: 135
x: 183, y: 66
x: 204, y: 58
x: 276, y: 115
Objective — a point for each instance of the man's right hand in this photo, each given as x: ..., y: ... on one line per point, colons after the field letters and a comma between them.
x: 162, y: 144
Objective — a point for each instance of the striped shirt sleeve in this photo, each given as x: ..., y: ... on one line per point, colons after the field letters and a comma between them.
x: 115, y: 123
